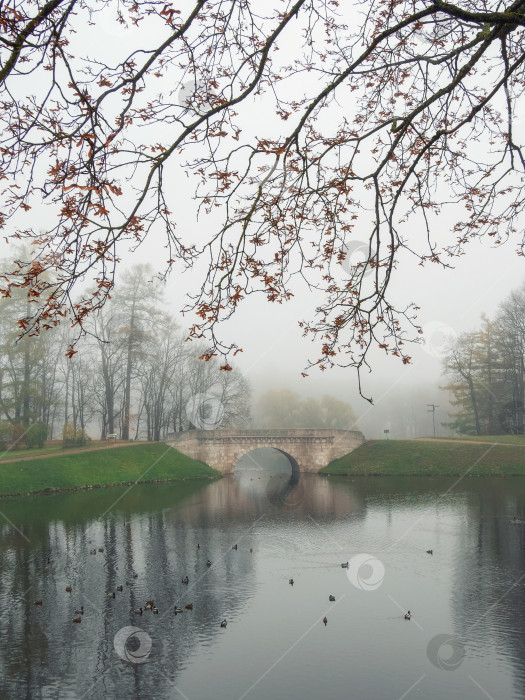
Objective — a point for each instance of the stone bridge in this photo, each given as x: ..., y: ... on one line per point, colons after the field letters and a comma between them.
x: 307, y: 450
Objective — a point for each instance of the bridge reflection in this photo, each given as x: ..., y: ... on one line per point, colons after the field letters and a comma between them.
x: 246, y: 497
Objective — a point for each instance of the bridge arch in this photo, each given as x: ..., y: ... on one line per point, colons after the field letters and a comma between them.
x: 290, y: 459
x: 308, y: 450
x: 293, y: 462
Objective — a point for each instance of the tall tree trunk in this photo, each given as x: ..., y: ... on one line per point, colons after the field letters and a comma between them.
x: 517, y: 395
x: 27, y: 379
x: 127, y: 385
x: 474, y: 400
x: 109, y: 400
x: 45, y: 405
x: 104, y: 426
x: 73, y: 402
x: 66, y: 399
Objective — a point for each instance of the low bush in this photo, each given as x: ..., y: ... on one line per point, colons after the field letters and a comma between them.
x: 6, y: 435
x: 36, y: 435
x: 72, y: 437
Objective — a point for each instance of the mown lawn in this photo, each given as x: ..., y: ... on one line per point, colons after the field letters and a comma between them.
x: 33, y: 452
x: 415, y: 458
x: 11, y: 453
x: 142, y: 463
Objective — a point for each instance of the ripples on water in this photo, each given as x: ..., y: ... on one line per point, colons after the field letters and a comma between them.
x: 275, y: 644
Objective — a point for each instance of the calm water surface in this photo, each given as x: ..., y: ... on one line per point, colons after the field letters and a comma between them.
x: 471, y: 591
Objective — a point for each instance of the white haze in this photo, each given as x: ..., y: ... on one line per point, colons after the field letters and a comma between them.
x: 274, y: 351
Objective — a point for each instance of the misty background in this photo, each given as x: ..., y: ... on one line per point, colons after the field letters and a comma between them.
x: 135, y: 361
x: 274, y: 353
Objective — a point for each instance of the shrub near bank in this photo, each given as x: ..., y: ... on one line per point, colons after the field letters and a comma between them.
x: 6, y: 435
x: 17, y: 435
x: 73, y: 437
x: 36, y: 435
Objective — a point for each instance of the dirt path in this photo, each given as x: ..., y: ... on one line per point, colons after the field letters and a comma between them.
x: 71, y: 452
x: 468, y: 442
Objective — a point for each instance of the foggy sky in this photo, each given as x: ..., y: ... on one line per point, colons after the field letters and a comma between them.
x: 274, y: 351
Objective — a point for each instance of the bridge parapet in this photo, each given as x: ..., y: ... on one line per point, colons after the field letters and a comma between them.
x: 309, y: 449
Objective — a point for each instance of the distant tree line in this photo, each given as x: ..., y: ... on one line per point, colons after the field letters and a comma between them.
x: 486, y: 372
x: 283, y: 408
x: 134, y: 375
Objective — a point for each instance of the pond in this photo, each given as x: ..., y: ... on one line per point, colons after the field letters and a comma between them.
x: 464, y: 639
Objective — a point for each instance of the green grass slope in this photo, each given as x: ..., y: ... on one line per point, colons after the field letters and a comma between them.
x: 142, y: 463
x: 413, y: 458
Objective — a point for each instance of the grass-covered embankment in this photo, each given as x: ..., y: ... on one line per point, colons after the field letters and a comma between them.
x: 52, y: 449
x: 142, y: 462
x: 418, y: 458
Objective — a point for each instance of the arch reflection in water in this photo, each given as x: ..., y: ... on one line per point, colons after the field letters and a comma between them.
x: 272, y: 475
x: 271, y: 478
x: 287, y: 492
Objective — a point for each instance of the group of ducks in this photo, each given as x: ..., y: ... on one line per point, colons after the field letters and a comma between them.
x: 120, y: 588
x: 150, y: 604
x: 345, y: 565
x: 78, y: 612
x: 331, y: 597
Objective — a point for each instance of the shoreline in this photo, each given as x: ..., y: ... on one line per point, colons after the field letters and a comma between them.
x: 51, y: 491
x: 95, y: 487
x: 110, y: 466
x: 430, y: 458
x: 428, y: 475
x: 100, y: 468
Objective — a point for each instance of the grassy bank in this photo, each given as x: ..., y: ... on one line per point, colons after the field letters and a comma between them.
x: 414, y: 458
x: 143, y: 463
x: 56, y: 449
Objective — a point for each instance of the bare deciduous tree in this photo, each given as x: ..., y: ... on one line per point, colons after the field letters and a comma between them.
x: 387, y: 112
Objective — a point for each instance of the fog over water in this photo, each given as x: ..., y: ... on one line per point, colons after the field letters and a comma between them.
x: 452, y: 301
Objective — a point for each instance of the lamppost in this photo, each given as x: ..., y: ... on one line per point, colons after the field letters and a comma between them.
x: 433, y: 411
